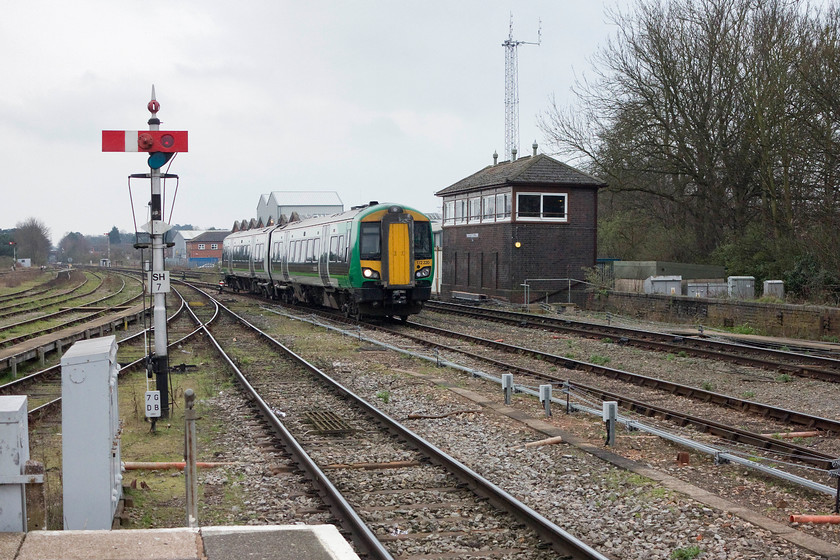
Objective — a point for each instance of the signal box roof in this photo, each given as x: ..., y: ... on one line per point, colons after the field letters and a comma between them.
x: 534, y: 170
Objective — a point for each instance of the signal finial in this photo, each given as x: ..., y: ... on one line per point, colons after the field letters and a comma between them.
x: 153, y: 105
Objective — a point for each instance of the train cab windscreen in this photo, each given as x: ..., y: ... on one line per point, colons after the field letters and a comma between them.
x: 422, y: 240
x: 370, y: 241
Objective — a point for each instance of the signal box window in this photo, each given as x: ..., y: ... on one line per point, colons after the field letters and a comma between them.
x: 449, y: 212
x: 488, y: 208
x: 541, y: 207
x: 475, y: 209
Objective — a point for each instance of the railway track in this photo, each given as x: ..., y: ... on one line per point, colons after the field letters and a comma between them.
x: 367, y: 466
x: 66, y: 317
x: 12, y: 300
x: 818, y: 367
x: 749, y: 439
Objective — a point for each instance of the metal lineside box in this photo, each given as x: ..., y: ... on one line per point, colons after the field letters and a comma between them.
x: 90, y: 424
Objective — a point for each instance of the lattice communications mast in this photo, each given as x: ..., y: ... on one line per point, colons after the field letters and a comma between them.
x: 512, y: 89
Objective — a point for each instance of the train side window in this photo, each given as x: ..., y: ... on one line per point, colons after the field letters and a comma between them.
x: 369, y: 241
x: 334, y: 249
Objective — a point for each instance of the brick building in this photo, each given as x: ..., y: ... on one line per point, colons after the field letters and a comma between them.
x: 533, y: 218
x: 205, y: 248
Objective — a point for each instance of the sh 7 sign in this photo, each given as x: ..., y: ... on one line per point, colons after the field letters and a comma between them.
x: 159, y: 282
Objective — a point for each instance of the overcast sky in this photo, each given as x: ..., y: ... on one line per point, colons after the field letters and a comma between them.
x: 377, y: 100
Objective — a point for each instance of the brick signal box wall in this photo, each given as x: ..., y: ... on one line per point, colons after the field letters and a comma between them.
x: 479, y: 237
x: 483, y: 258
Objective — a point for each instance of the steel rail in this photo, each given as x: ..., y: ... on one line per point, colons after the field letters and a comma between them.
x: 49, y: 407
x: 803, y: 365
x: 721, y: 456
x: 767, y: 411
x: 732, y: 433
x: 342, y: 510
x: 562, y: 541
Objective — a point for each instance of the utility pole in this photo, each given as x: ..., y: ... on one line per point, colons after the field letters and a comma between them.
x: 512, y: 90
x: 161, y: 146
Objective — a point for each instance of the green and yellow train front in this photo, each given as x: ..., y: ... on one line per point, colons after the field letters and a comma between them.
x: 391, y: 261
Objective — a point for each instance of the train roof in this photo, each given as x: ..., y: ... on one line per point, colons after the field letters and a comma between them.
x: 353, y: 213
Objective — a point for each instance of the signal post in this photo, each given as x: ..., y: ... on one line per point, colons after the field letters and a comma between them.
x: 161, y: 146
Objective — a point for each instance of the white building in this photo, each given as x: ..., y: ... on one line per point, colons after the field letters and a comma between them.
x: 306, y: 203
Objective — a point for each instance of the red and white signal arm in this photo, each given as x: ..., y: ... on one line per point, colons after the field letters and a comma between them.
x: 168, y: 141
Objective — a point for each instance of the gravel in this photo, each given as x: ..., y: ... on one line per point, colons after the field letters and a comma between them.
x: 620, y: 513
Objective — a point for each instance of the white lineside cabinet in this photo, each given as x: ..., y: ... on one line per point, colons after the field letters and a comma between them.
x: 14, y: 452
x: 90, y: 426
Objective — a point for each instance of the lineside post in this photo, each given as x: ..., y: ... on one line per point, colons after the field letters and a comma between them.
x: 161, y: 147
x: 190, y: 472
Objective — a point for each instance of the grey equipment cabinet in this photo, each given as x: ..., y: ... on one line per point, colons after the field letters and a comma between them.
x: 90, y: 425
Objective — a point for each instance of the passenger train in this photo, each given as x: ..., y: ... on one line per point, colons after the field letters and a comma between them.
x: 373, y: 260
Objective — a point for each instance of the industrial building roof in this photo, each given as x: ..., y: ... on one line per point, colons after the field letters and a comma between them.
x: 306, y: 198
x: 540, y: 169
x: 212, y: 236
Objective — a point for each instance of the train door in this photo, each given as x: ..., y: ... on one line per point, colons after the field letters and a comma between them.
x: 322, y: 256
x: 398, y: 249
x: 285, y: 243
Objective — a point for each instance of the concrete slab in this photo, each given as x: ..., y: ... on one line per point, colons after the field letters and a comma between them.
x: 266, y: 542
x: 9, y: 544
x: 151, y: 544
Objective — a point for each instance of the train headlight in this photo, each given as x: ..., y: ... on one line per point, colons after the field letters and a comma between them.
x: 423, y: 272
x: 370, y: 274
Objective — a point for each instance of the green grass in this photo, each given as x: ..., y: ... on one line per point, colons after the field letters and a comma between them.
x: 687, y: 553
x: 599, y: 360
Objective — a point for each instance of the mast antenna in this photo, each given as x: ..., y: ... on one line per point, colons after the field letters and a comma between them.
x: 512, y: 89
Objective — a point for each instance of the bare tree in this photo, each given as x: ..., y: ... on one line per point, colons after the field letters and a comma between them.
x: 714, y: 119
x: 33, y: 241
x: 74, y: 247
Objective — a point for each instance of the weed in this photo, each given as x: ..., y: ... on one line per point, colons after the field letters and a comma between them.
x: 669, y: 357
x: 708, y: 386
x: 687, y: 553
x: 784, y: 378
x: 598, y: 359
x: 606, y: 340
x: 384, y: 396
x: 682, y: 354
x: 748, y: 394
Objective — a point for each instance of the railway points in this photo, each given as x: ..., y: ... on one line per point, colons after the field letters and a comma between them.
x: 398, y: 395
